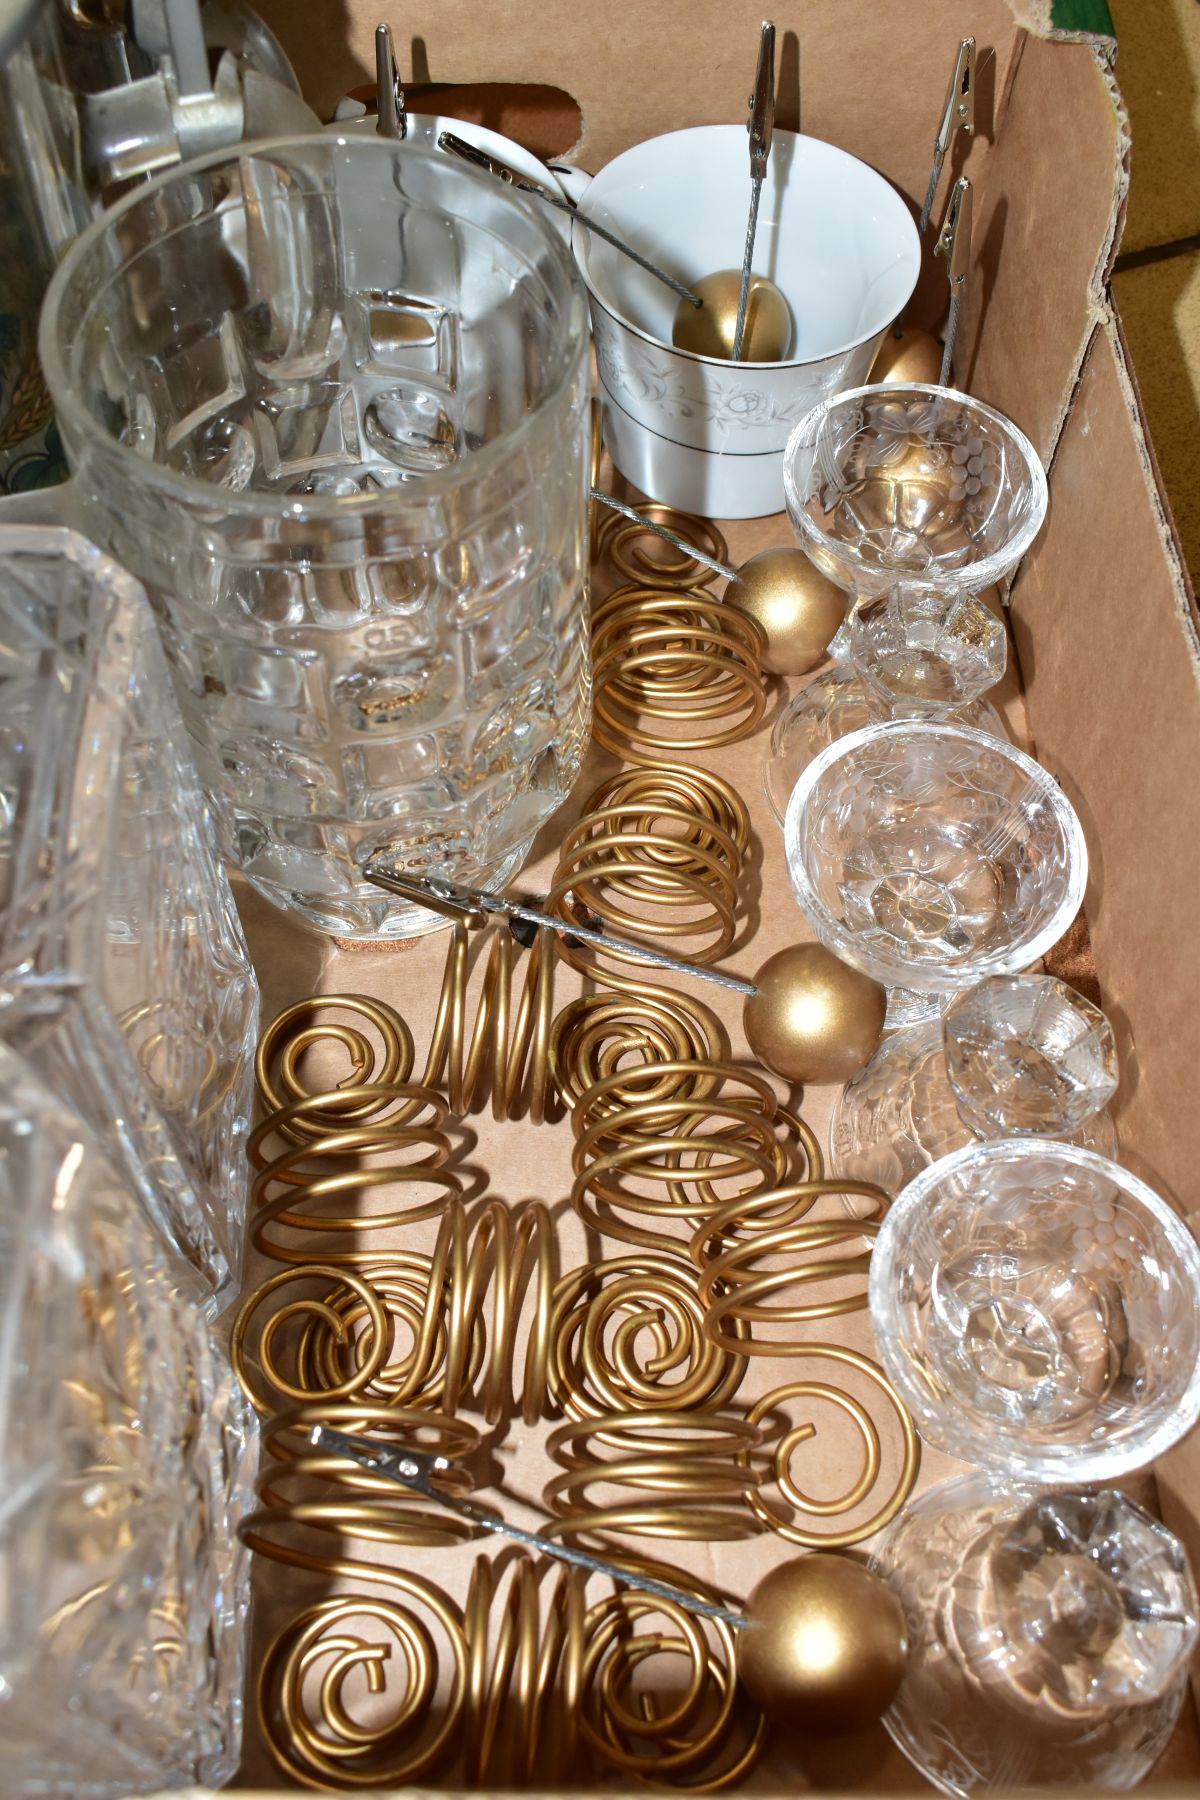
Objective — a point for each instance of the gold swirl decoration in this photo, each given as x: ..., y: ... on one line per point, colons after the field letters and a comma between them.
x: 409, y: 1330
x: 525, y: 1676
x: 179, y: 1069
x: 784, y: 1445
x: 302, y: 1491
x: 528, y: 1684
x: 604, y: 1311
x: 604, y: 1034
x: 708, y: 1735
x: 501, y: 1053
x: 762, y: 1256
x: 673, y: 670
x: 659, y: 854
x: 305, y: 1715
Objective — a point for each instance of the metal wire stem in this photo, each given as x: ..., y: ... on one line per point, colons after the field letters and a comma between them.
x: 660, y: 531
x: 748, y: 258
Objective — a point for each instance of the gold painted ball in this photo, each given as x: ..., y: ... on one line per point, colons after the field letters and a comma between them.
x: 814, y: 1018
x: 796, y: 608
x: 710, y: 330
x: 913, y: 356
x: 824, y: 1647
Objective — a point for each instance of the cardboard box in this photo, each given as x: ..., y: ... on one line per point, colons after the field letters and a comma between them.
x: 1102, y: 615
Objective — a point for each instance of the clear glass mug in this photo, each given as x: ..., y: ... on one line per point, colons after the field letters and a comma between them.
x: 327, y: 398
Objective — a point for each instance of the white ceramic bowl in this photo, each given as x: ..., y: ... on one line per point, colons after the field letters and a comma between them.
x: 696, y: 431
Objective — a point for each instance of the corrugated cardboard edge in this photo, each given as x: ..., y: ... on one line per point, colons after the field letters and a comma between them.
x: 1031, y: 369
x: 1161, y: 1791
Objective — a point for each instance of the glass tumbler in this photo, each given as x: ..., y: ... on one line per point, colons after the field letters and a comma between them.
x: 930, y: 856
x: 1048, y: 1637
x: 327, y: 398
x: 1038, y: 1309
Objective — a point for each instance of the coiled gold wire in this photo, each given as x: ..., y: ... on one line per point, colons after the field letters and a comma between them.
x: 641, y: 556
x: 330, y: 1162
x: 506, y: 1050
x: 708, y: 1735
x: 525, y: 1675
x: 305, y: 1717
x: 658, y: 854
x: 674, y: 656
x: 503, y: 1052
x: 690, y: 1475
x: 607, y: 1315
x: 785, y: 1445
x: 532, y: 1688
x: 680, y: 1154
x: 342, y: 1334
x: 301, y: 1489
x: 739, y: 1294
x: 603, y: 1034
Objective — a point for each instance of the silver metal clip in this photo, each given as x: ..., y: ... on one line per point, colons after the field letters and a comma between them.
x: 954, y: 243
x: 760, y: 125
x: 416, y: 1469
x: 412, y: 1467
x: 457, y: 146
x: 474, y: 904
x: 957, y: 115
x: 392, y: 121
x: 762, y: 104
x: 434, y: 892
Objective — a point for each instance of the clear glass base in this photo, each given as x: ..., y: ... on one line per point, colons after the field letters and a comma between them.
x: 1027, y: 1053
x: 1048, y: 1637
x: 901, y: 1113
x: 909, y: 1006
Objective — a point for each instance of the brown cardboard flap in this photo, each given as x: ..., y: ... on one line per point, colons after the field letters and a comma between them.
x: 1046, y: 222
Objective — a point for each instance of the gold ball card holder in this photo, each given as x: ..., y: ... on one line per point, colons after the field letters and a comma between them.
x: 795, y: 610
x: 796, y: 1635
x: 779, y: 1027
